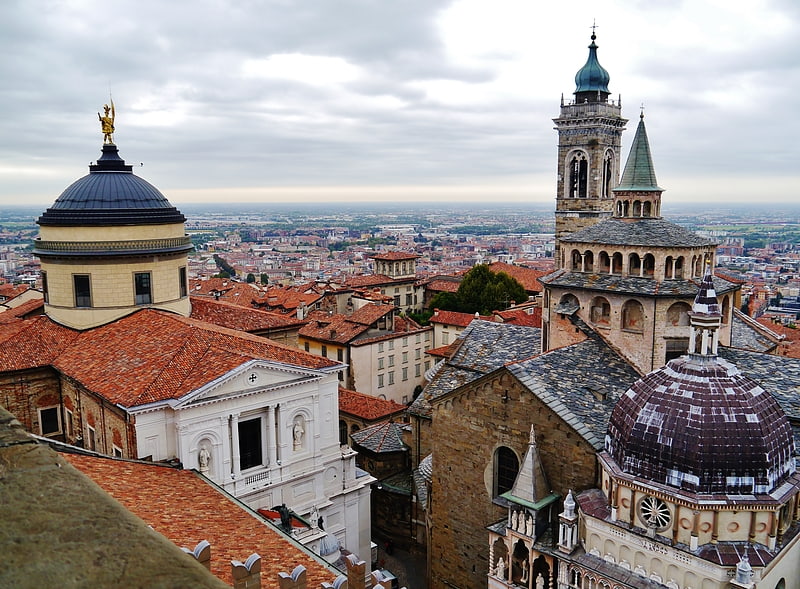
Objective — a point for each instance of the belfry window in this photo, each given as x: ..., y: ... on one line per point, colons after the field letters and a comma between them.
x: 578, y: 175
x: 142, y: 288
x: 83, y: 290
x: 608, y: 162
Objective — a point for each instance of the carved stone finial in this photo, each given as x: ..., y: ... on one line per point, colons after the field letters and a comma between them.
x: 247, y: 574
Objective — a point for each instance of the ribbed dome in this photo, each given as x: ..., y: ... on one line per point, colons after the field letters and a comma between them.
x: 110, y: 195
x: 592, y: 77
x: 700, y: 425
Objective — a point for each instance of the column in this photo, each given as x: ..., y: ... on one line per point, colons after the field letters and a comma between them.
x: 235, y: 463
x: 273, y: 455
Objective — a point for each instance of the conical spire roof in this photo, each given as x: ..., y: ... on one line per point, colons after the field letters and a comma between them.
x: 531, y: 484
x: 639, y: 172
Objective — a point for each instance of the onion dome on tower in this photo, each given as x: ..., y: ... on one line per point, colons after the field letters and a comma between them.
x: 700, y: 425
x: 112, y: 244
x: 591, y: 81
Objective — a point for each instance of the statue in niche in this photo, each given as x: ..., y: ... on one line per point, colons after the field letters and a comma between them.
x: 297, y: 434
x: 107, y: 123
x: 513, y: 520
x: 500, y: 571
x: 314, y: 517
x: 529, y: 526
x: 524, y: 577
x: 540, y: 582
x: 204, y: 458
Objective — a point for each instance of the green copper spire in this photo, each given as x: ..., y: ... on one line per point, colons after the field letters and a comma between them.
x: 639, y: 173
x: 592, y: 78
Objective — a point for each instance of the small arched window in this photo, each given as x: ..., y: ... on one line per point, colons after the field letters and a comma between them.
x: 600, y: 313
x: 588, y: 261
x: 506, y: 467
x: 678, y: 315
x: 632, y: 316
x: 608, y: 172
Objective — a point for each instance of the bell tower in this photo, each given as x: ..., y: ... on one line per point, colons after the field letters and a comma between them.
x: 589, y: 144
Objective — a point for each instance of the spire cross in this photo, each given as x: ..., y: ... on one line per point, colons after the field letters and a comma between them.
x: 641, y: 111
x: 593, y: 27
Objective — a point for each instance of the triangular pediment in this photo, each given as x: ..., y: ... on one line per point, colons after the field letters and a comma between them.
x: 252, y: 378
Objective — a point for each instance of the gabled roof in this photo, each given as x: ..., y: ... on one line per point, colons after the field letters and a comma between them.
x: 456, y: 318
x: 527, y: 277
x: 23, y: 310
x: 370, y: 280
x: 484, y: 346
x: 186, y: 508
x: 367, y: 407
x: 394, y: 256
x: 145, y: 357
x: 233, y: 316
x: 342, y: 329
x: 381, y: 438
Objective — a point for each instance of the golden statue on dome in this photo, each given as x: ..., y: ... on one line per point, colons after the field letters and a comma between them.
x: 107, y: 123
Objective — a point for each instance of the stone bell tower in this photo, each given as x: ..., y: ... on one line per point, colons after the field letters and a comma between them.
x: 589, y: 145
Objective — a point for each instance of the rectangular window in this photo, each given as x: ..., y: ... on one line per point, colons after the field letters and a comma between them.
x: 45, y: 290
x: 391, y: 344
x: 91, y: 438
x: 405, y: 373
x: 419, y: 337
x: 417, y: 368
x: 427, y: 365
x: 391, y: 360
x: 405, y: 341
x: 391, y: 378
x: 83, y: 290
x: 380, y: 346
x: 324, y: 350
x: 142, y: 288
x: 427, y: 336
x: 184, y: 284
x: 117, y: 451
x: 396, y: 300
x: 445, y: 339
x: 49, y: 421
x: 380, y: 363
x: 68, y: 425
x: 405, y: 357
x: 306, y: 346
x: 340, y: 355
x: 409, y: 300
x: 380, y: 381
x: 250, y: 453
x: 417, y: 354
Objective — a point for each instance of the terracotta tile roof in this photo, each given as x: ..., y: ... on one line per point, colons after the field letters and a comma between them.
x: 455, y: 318
x: 444, y: 351
x: 28, y: 308
x: 441, y: 285
x: 32, y: 343
x: 368, y: 280
x: 9, y: 291
x: 527, y: 277
x: 234, y: 316
x: 369, y: 314
x: 522, y: 317
x: 152, y: 356
x: 185, y: 508
x: 238, y: 293
x: 342, y: 329
x: 367, y: 407
x: 392, y: 256
x: 286, y: 299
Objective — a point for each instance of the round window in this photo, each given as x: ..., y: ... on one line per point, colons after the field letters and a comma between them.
x: 654, y: 513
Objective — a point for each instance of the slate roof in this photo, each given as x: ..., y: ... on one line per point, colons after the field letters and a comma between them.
x: 581, y: 383
x: 233, y: 316
x: 186, y: 508
x: 485, y: 347
x: 632, y: 284
x: 381, y: 438
x: 367, y: 407
x: 747, y: 334
x: 649, y: 233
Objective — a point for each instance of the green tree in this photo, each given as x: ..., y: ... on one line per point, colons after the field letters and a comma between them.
x: 482, y: 291
x: 251, y: 278
x: 264, y: 278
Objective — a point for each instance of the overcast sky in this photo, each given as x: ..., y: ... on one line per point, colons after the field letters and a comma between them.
x: 343, y: 100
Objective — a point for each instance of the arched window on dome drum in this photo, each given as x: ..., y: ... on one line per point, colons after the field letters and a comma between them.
x: 648, y: 265
x: 506, y: 467
x: 608, y: 170
x: 633, y: 316
x: 578, y: 175
x: 616, y: 263
x: 634, y: 265
x: 600, y: 311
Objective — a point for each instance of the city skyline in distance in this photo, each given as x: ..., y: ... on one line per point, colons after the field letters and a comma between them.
x: 419, y: 102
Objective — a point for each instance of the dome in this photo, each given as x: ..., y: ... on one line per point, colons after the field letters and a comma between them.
x: 592, y: 77
x: 700, y: 425
x: 110, y: 195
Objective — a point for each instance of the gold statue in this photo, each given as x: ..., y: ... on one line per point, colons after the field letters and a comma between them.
x: 107, y: 123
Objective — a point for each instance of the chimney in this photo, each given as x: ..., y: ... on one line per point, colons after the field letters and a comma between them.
x: 247, y: 574
x: 201, y: 552
x: 356, y: 571
x: 297, y: 580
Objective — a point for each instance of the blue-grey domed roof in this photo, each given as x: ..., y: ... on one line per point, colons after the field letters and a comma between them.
x: 592, y: 77
x: 111, y: 195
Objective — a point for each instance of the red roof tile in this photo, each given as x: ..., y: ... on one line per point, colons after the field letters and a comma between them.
x: 392, y: 256
x: 152, y: 356
x: 185, y: 508
x: 440, y: 285
x: 33, y: 343
x: 240, y: 318
x: 527, y: 277
x: 367, y: 407
x: 456, y: 318
x: 28, y: 308
x: 523, y: 317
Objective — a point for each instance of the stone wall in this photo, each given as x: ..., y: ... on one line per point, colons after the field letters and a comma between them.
x: 467, y: 428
